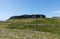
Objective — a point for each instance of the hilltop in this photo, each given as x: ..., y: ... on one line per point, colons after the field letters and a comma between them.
x: 28, y: 16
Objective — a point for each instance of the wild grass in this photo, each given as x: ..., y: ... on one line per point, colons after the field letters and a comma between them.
x: 26, y: 34
x: 52, y: 26
x: 37, y: 21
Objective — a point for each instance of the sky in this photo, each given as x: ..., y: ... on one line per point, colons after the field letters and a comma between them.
x: 10, y: 8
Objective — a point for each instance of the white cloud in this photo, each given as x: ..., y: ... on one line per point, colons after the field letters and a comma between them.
x: 56, y: 12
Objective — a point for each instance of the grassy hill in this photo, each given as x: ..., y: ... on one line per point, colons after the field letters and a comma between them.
x: 36, y: 21
x: 46, y: 25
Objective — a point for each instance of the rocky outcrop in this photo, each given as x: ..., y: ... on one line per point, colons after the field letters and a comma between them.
x: 28, y: 16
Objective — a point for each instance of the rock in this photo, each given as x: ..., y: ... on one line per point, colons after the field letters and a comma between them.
x: 28, y: 16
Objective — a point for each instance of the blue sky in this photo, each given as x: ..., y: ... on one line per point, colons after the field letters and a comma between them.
x: 10, y: 8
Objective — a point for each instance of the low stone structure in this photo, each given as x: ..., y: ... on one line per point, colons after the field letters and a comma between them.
x: 28, y: 16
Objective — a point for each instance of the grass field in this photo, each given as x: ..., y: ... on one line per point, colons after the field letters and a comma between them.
x: 26, y: 34
x: 19, y: 27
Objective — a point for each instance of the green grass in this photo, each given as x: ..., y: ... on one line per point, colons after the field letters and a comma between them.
x: 53, y: 28
x: 36, y: 21
x: 26, y: 34
x: 19, y: 24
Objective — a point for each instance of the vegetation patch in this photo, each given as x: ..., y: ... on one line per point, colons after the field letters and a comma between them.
x: 45, y: 25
